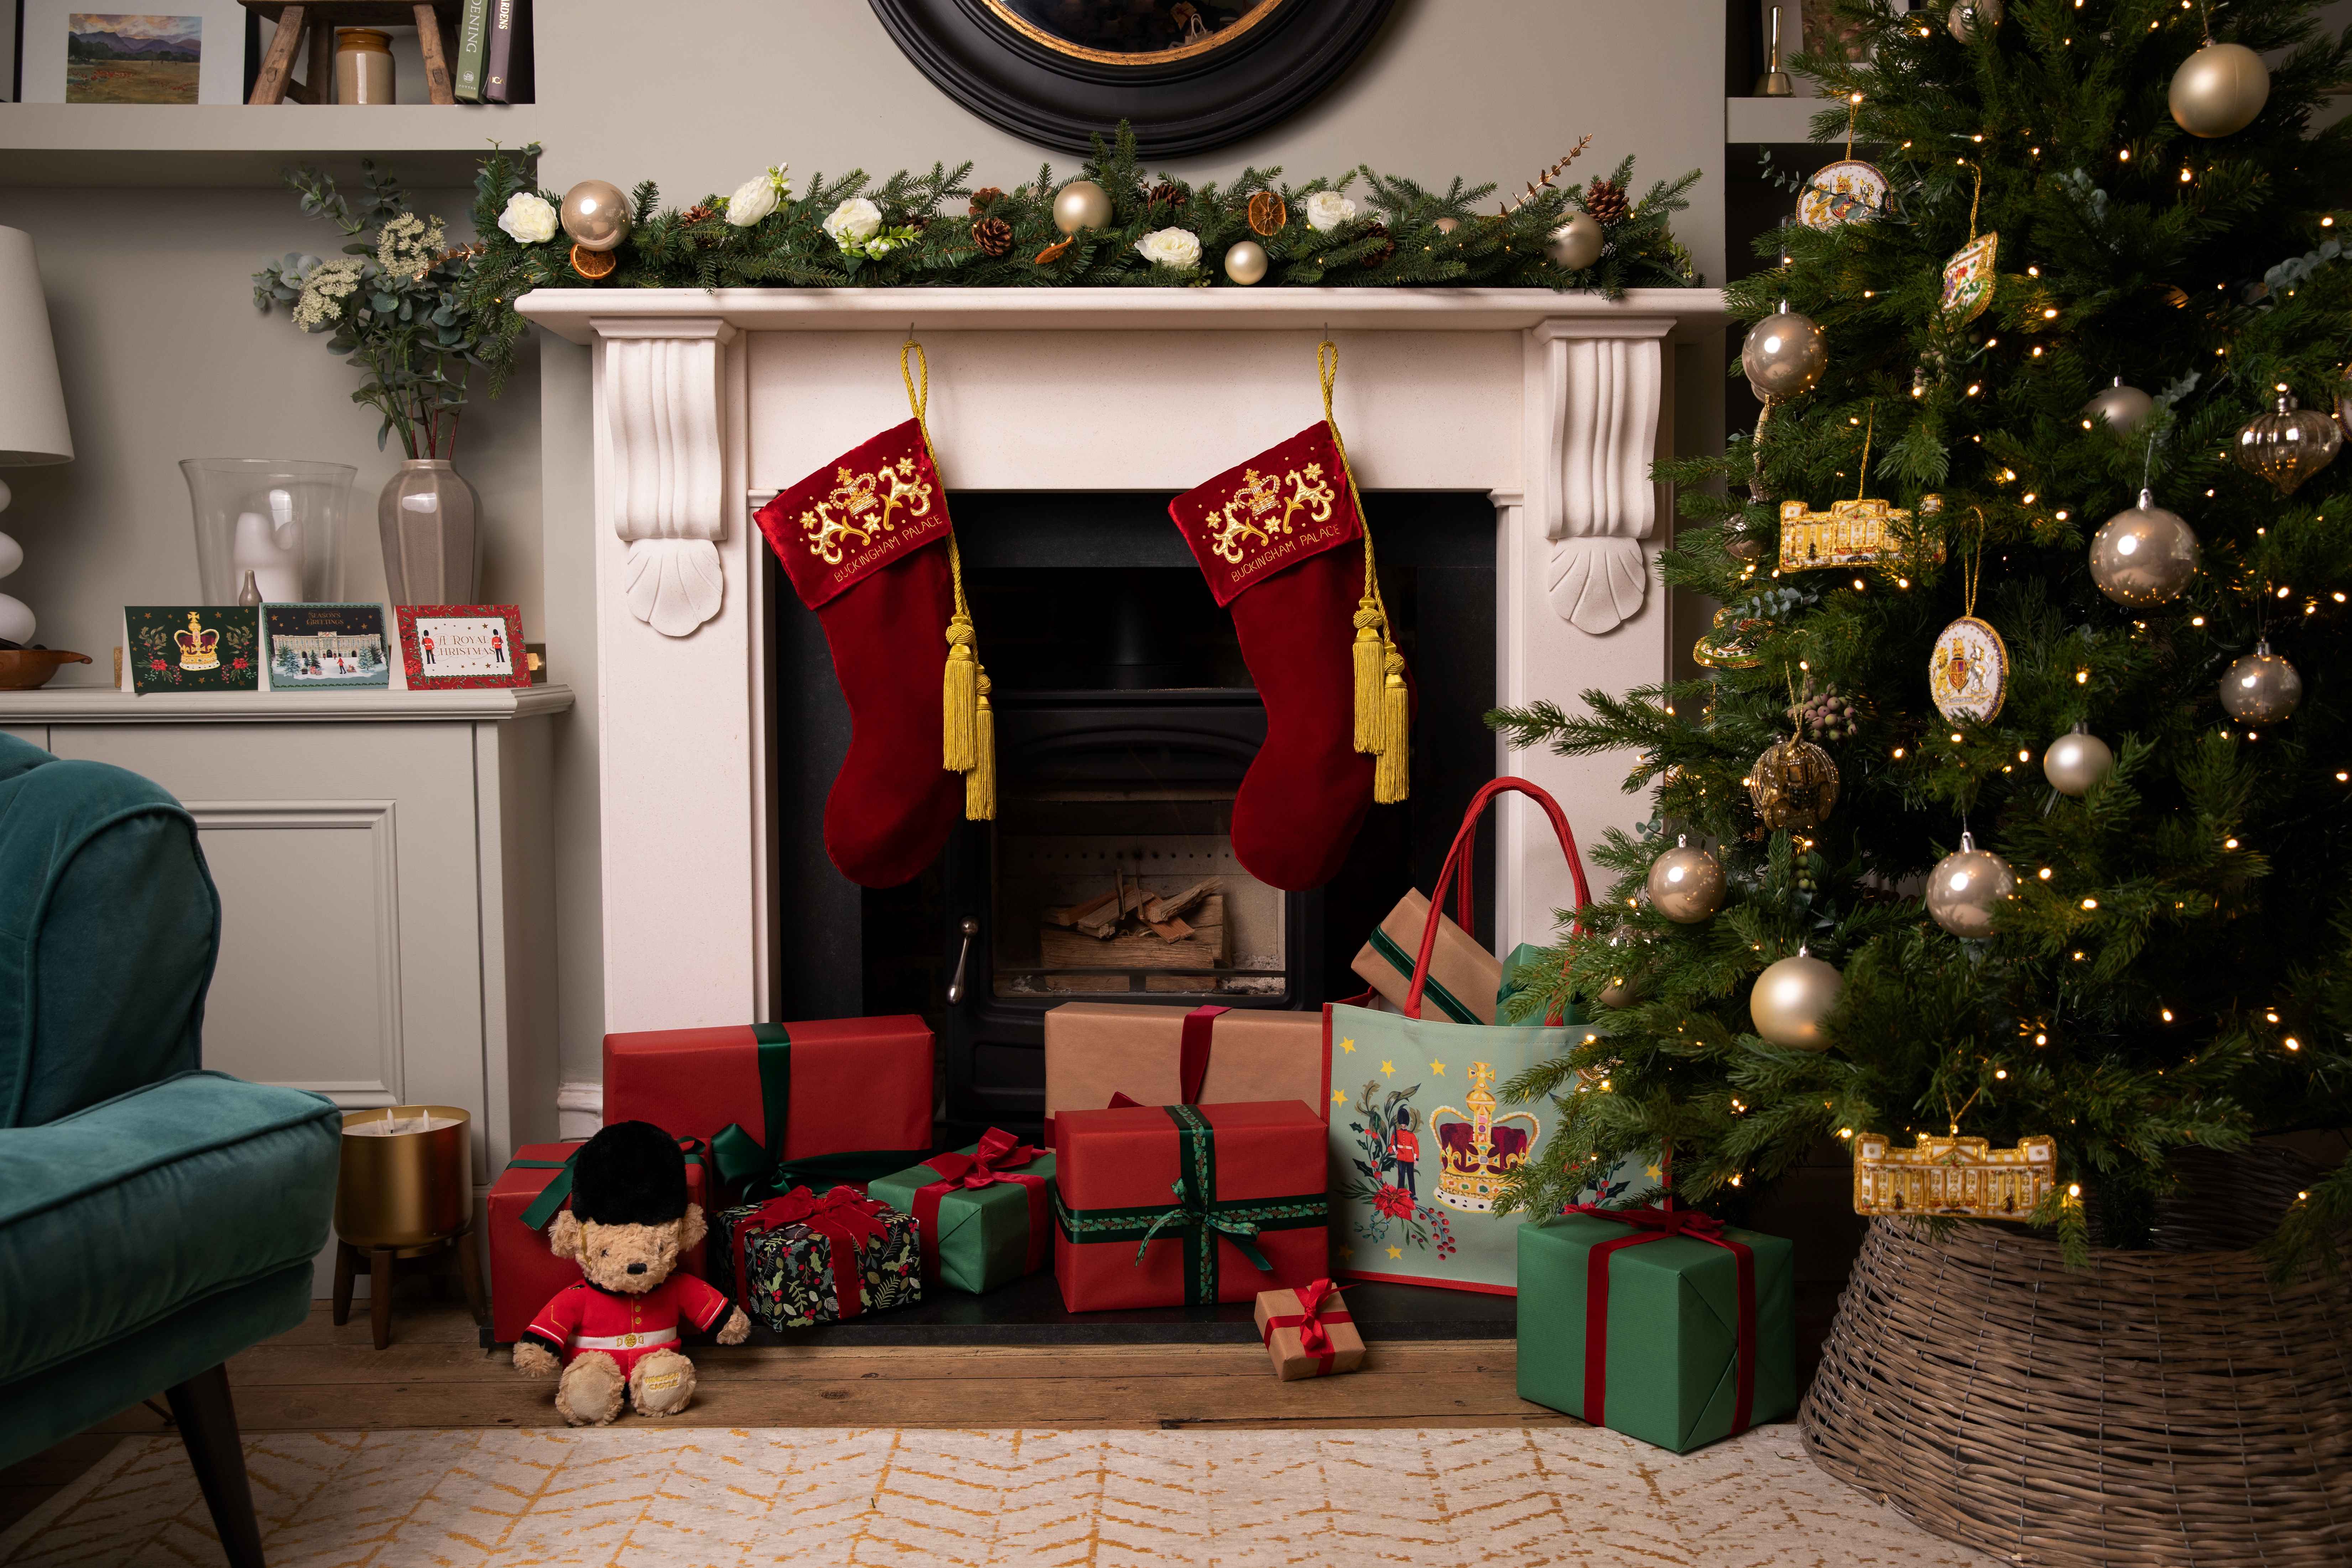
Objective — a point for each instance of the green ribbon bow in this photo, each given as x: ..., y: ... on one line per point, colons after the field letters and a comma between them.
x: 748, y: 1170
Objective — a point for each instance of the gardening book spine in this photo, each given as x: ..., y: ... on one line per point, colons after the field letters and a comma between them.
x: 506, y: 77
x: 472, y: 29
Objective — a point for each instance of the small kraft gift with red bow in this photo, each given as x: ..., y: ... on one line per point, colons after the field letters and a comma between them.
x: 984, y: 1215
x: 808, y: 1258
x: 1308, y: 1332
x: 1663, y: 1323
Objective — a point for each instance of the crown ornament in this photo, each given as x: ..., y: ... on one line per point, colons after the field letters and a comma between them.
x: 1477, y: 1151
x: 199, y: 645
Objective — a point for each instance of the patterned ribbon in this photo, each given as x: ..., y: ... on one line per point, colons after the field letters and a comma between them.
x: 1314, y: 1336
x: 991, y: 1163
x: 746, y: 1166
x: 1655, y: 1225
x: 550, y: 1197
x: 845, y: 1218
x: 1199, y: 1218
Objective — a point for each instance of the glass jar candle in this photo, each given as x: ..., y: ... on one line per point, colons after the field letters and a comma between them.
x: 362, y: 66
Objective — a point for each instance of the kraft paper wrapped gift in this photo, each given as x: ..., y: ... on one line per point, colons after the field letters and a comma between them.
x: 1463, y: 977
x: 1308, y: 1332
x: 1179, y: 1056
x: 523, y: 1272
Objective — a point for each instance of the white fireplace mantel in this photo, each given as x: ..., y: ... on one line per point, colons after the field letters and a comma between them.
x: 1554, y: 404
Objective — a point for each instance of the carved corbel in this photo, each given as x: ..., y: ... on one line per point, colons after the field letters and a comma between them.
x: 667, y: 445
x: 1598, y: 383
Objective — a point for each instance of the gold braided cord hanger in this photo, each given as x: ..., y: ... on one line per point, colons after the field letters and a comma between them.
x: 1383, y: 705
x: 968, y: 744
x: 1972, y: 571
x: 1869, y: 425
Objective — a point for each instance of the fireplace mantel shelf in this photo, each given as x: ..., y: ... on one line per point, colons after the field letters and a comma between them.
x: 572, y: 313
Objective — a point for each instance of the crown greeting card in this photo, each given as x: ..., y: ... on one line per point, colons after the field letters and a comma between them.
x: 325, y: 645
x: 199, y: 648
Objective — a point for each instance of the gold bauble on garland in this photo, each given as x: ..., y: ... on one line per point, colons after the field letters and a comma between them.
x: 1794, y: 784
x: 1081, y: 204
x: 595, y: 215
x: 1246, y: 261
x: 1575, y: 244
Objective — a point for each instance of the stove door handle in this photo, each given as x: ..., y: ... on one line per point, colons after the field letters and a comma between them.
x: 971, y: 928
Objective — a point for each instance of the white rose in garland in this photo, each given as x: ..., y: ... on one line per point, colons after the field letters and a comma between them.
x: 856, y: 220
x: 530, y: 217
x: 1327, y: 210
x: 756, y: 197
x: 1170, y: 248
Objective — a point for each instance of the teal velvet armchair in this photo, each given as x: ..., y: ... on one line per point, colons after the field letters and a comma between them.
x: 155, y: 1218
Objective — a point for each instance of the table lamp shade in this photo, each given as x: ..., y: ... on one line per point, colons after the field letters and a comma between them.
x: 32, y: 402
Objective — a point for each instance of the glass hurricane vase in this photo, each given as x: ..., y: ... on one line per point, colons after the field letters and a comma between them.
x: 280, y: 520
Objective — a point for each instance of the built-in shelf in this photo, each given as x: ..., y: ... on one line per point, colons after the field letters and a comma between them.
x: 241, y: 144
x: 104, y: 704
x: 1771, y: 118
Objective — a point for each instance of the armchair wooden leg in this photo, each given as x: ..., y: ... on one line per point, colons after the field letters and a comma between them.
x: 208, y: 1426
x: 469, y: 1267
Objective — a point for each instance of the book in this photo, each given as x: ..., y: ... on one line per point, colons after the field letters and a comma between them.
x: 506, y: 61
x: 444, y: 646
x: 313, y: 645
x: 473, y: 28
x: 192, y: 647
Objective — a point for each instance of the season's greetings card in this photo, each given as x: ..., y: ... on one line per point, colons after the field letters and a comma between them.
x: 314, y: 645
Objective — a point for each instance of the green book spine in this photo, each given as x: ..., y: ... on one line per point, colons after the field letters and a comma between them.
x: 472, y: 28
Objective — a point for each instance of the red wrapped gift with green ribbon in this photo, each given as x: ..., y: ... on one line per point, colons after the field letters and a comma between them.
x: 811, y: 1103
x: 1162, y: 1206
x: 984, y: 1213
x: 802, y: 1259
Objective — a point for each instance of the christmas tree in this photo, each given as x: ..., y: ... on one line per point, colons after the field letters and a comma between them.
x: 2148, y: 948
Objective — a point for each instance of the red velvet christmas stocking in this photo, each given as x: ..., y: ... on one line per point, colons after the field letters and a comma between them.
x: 1279, y: 539
x: 867, y: 543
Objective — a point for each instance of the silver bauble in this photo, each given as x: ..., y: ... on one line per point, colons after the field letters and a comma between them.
x: 2288, y: 444
x: 2144, y: 554
x: 595, y: 215
x: 2262, y: 687
x: 1686, y: 884
x: 1081, y: 204
x: 1575, y: 244
x: 1968, y: 16
x: 1967, y: 888
x: 1246, y: 262
x: 2122, y: 407
x: 1790, y: 999
x: 2076, y: 761
x: 1785, y: 354
x: 2220, y: 89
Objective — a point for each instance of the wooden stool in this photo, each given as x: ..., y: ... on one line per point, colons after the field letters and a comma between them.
x: 319, y: 18
x: 377, y: 1265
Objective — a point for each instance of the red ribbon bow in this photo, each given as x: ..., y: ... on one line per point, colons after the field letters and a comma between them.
x: 845, y: 1218
x: 1314, y: 1334
x: 1656, y: 1225
x: 987, y: 1165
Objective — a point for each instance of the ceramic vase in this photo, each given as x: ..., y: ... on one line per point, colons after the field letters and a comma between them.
x: 432, y: 543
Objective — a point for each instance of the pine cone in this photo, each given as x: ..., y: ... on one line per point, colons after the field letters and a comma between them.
x: 982, y: 197
x: 1167, y: 193
x: 1387, y: 248
x: 993, y: 236
x: 696, y: 213
x: 1606, y: 203
x: 1267, y: 215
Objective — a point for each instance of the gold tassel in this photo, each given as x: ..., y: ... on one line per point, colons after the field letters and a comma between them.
x: 1370, y: 624
x: 979, y: 784
x: 960, y: 695
x: 1392, y: 775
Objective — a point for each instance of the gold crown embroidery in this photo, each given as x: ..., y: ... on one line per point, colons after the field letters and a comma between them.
x: 1259, y: 510
x: 863, y: 505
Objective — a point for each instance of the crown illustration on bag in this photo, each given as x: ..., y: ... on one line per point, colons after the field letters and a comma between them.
x: 199, y: 645
x: 1477, y: 1151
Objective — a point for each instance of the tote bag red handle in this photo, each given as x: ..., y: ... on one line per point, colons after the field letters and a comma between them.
x: 1457, y: 863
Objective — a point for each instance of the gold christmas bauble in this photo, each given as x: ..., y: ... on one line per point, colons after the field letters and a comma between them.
x: 2120, y: 406
x: 595, y: 215
x: 1686, y: 884
x: 1081, y: 204
x: 1969, y: 888
x: 1790, y: 999
x: 2220, y: 89
x: 2262, y: 687
x: 1785, y: 354
x: 1794, y: 784
x: 2288, y: 444
x: 1575, y: 244
x: 2076, y: 760
x: 2144, y: 555
x: 1968, y: 16
x: 1246, y: 261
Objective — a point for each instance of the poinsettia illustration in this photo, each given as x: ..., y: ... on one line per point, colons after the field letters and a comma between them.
x: 1393, y: 1201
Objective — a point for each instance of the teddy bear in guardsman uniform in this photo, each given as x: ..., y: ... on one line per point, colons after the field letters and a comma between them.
x: 615, y: 1332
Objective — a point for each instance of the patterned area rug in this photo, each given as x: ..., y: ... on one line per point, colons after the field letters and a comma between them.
x: 650, y: 1498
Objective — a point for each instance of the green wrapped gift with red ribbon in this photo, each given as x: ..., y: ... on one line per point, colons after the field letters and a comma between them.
x: 811, y: 1104
x: 985, y: 1213
x: 805, y: 1258
x: 1665, y: 1325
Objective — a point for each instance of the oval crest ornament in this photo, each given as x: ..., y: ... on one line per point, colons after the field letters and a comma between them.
x: 1967, y: 673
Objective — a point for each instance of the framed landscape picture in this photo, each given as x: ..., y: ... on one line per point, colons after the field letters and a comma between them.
x: 81, y: 52
x: 448, y: 646
x: 316, y: 645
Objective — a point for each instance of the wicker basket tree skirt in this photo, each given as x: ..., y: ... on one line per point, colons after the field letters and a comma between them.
x: 2156, y: 1408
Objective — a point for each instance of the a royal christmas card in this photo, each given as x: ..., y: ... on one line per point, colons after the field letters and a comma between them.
x: 446, y: 646
x: 311, y: 646
x: 193, y: 648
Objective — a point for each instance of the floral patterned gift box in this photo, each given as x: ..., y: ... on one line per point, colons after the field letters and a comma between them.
x: 801, y: 1258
